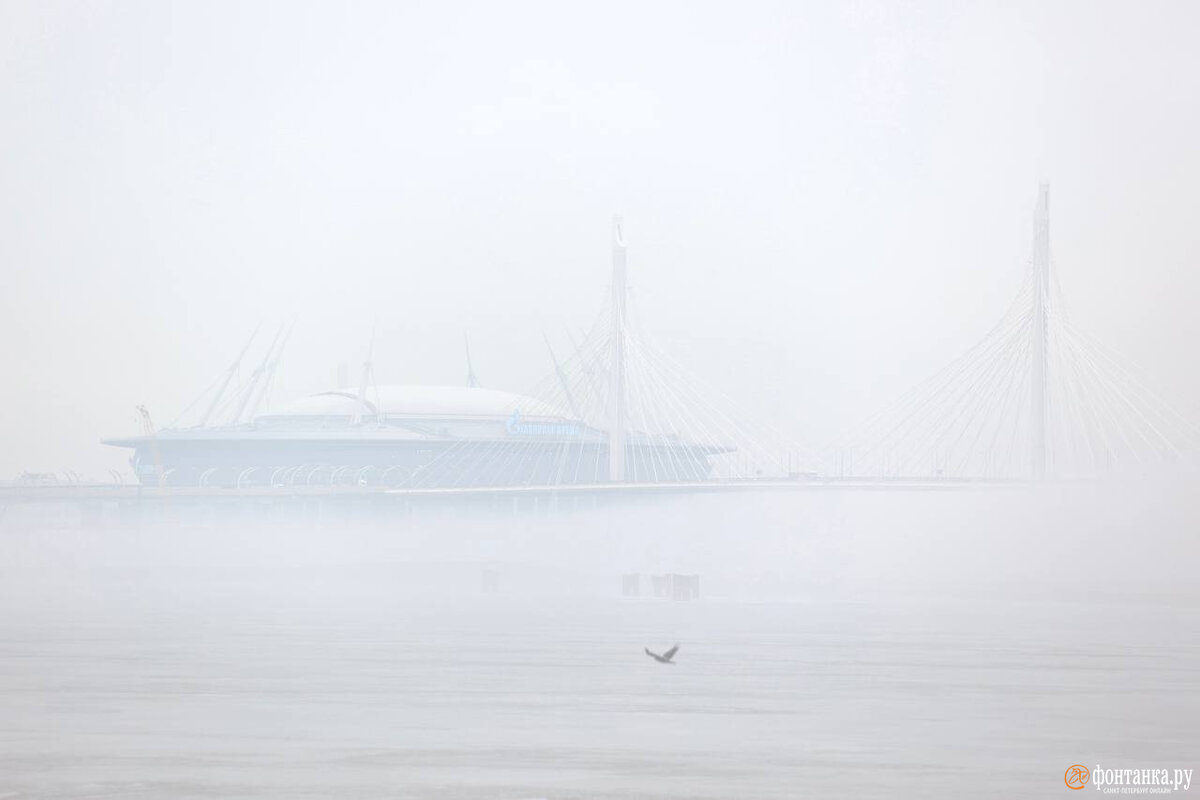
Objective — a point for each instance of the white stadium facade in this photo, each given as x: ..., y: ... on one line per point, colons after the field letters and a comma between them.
x: 405, y: 436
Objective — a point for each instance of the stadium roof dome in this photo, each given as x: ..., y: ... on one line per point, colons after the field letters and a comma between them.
x: 430, y: 402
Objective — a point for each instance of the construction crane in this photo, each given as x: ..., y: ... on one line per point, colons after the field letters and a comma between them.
x: 233, y: 369
x: 367, y: 369
x: 152, y: 436
x: 472, y: 381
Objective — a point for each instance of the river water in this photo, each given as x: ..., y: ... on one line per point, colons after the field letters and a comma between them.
x: 234, y: 668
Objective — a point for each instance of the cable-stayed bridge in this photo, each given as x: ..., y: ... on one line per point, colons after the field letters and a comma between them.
x: 1035, y: 399
x: 638, y: 420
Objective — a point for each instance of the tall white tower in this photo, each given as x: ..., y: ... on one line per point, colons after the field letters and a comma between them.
x: 616, y: 428
x: 1041, y: 295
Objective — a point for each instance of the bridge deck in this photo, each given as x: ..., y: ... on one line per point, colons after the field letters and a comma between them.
x: 13, y: 494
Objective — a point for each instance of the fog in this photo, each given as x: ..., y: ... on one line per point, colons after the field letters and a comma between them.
x: 858, y: 644
x: 824, y: 203
x: 823, y: 206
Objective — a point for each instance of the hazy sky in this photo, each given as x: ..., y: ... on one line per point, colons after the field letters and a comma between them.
x: 823, y: 202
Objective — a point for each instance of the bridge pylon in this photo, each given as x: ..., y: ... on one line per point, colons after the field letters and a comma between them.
x: 1035, y: 398
x: 616, y: 429
x: 1038, y: 412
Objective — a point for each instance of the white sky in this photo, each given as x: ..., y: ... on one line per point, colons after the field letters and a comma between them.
x: 824, y: 202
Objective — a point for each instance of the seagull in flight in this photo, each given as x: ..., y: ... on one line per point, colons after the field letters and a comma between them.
x: 666, y: 657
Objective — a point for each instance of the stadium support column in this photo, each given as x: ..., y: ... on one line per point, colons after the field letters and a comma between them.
x: 1041, y: 294
x: 616, y: 429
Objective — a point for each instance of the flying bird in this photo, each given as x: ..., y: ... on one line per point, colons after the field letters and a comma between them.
x: 666, y: 657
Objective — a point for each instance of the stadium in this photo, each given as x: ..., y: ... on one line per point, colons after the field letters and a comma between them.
x: 613, y: 411
x: 397, y: 436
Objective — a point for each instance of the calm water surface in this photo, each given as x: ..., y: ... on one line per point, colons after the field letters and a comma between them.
x: 960, y: 645
x: 516, y: 698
